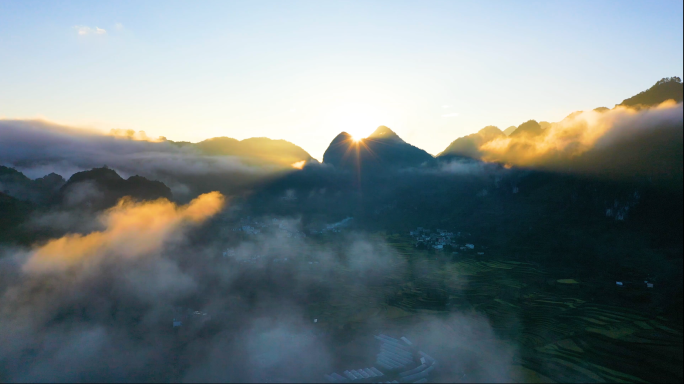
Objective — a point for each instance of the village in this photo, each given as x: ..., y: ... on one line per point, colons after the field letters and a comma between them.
x: 441, y: 239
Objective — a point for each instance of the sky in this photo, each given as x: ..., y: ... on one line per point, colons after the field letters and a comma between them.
x: 305, y: 71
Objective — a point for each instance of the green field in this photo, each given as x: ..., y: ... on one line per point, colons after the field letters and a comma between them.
x: 558, y: 330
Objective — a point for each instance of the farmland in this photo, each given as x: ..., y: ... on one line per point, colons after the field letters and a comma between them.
x: 545, y: 325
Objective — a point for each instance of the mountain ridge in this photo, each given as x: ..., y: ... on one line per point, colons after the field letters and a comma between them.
x: 256, y: 150
x: 100, y: 188
x: 381, y: 149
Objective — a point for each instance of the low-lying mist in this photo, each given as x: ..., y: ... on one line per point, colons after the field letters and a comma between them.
x: 100, y: 306
x: 38, y: 148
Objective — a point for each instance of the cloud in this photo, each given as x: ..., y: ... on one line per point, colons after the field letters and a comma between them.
x: 450, y: 115
x: 621, y: 142
x: 463, y: 167
x: 85, y: 30
x: 132, y: 229
x: 99, y: 306
x: 581, y: 133
x: 446, y: 106
x: 118, y: 26
x: 38, y: 147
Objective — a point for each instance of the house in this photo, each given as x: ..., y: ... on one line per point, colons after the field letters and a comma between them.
x: 398, y: 361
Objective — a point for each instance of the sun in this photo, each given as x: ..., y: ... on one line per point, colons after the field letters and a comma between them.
x: 359, y: 120
x: 358, y: 127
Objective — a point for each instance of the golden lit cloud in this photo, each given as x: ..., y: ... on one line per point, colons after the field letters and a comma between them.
x: 575, y: 135
x: 299, y: 164
x: 132, y: 229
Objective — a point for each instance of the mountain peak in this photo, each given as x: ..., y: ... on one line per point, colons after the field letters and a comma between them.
x: 529, y: 128
x: 490, y: 130
x: 384, y: 132
x: 664, y: 89
x: 341, y: 138
x: 255, y: 150
x: 383, y: 148
x: 101, y: 188
x: 342, y: 135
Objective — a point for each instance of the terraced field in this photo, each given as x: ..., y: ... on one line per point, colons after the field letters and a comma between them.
x: 560, y: 334
x: 566, y: 338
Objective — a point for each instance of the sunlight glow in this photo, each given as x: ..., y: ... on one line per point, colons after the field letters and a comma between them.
x: 299, y: 164
x: 359, y: 119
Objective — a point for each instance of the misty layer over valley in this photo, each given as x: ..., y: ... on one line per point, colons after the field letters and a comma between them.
x: 547, y: 251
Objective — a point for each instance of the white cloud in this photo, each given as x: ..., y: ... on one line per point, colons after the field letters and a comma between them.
x: 450, y: 115
x: 118, y: 26
x: 85, y: 30
x: 446, y: 106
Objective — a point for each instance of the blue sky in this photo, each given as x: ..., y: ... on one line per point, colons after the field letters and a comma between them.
x: 304, y: 71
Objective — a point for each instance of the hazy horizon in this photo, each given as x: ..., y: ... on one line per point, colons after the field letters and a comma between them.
x: 305, y: 71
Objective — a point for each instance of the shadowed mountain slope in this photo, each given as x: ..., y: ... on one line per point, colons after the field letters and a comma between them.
x: 12, y: 213
x: 468, y: 146
x: 382, y: 149
x: 100, y: 188
x: 665, y: 89
x: 17, y: 185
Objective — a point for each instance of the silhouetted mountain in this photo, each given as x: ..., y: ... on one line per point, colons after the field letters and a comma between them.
x: 528, y: 128
x: 256, y: 150
x: 384, y: 133
x: 41, y: 190
x: 665, y: 89
x: 100, y: 188
x: 510, y: 130
x: 51, y: 181
x: 544, y: 125
x: 383, y: 148
x: 467, y: 146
